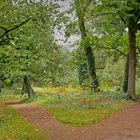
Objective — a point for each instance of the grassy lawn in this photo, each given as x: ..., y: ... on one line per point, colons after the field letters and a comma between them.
x: 81, y: 117
x: 75, y: 106
x: 10, y: 95
x: 14, y: 127
x: 79, y: 108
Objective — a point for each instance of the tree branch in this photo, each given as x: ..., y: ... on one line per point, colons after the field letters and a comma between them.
x: 115, y: 50
x: 5, y: 29
x: 101, y: 14
x: 13, y: 28
x: 119, y: 51
x: 122, y: 19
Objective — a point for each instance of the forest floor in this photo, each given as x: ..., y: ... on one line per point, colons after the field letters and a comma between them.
x: 123, y: 125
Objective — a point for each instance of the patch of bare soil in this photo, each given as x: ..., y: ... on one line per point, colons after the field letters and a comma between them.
x: 124, y: 125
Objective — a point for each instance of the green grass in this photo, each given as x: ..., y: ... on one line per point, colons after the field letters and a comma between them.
x: 82, y: 114
x: 10, y: 95
x: 79, y: 107
x: 84, y: 109
x: 79, y: 118
x: 11, y: 98
x: 14, y: 127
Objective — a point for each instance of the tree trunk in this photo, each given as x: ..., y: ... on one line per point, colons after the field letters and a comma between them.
x: 125, y: 82
x: 83, y: 73
x: 89, y: 56
x: 23, y: 91
x: 0, y: 86
x: 92, y: 70
x: 28, y: 88
x: 132, y: 64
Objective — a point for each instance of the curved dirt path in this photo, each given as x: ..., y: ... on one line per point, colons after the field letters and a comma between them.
x: 124, y: 125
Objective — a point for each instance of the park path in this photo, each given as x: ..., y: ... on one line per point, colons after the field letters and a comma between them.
x: 124, y: 125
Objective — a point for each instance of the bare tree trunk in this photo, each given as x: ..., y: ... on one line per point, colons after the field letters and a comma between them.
x: 28, y: 88
x: 132, y: 64
x: 125, y: 82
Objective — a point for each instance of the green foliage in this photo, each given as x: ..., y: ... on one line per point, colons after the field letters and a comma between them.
x: 31, y: 49
x: 31, y: 45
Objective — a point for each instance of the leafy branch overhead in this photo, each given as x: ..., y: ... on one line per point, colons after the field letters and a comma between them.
x: 6, y: 31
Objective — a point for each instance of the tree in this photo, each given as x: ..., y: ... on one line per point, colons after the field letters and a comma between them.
x: 128, y: 12
x: 131, y: 20
x: 80, y: 8
x: 125, y: 82
x: 22, y: 53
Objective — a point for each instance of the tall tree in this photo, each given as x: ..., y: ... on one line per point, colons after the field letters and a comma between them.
x: 80, y: 8
x: 129, y: 13
x: 132, y: 19
x: 22, y: 53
